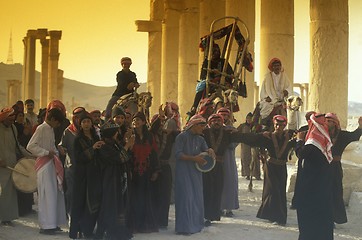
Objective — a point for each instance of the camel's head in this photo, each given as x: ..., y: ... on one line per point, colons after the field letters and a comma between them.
x: 145, y: 99
x: 294, y: 103
x: 231, y: 96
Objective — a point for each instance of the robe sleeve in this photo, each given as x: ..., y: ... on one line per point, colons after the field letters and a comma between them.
x: 33, y: 145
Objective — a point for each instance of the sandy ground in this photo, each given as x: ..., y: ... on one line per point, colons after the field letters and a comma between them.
x: 244, y: 225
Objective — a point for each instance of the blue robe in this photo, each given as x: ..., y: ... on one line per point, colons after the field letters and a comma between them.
x: 189, y: 200
x: 230, y: 192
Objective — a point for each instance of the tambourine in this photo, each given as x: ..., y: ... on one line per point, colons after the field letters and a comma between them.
x: 210, y: 163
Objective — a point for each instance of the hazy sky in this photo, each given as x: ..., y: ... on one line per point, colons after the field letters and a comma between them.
x: 97, y: 34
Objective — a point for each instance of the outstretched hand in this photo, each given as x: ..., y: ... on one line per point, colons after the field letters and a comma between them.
x: 161, y: 112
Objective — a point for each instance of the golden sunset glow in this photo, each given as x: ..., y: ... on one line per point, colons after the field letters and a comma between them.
x: 95, y: 35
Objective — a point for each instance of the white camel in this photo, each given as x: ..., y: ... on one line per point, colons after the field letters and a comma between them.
x: 293, y: 107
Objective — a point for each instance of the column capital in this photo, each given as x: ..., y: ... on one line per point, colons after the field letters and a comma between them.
x: 148, y: 26
x: 41, y: 33
x: 13, y: 82
x: 31, y: 33
x: 55, y: 34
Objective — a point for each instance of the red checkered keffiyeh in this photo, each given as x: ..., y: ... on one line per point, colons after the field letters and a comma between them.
x: 318, y: 135
x: 196, y: 119
x: 5, y: 112
x: 41, y: 161
x: 334, y: 118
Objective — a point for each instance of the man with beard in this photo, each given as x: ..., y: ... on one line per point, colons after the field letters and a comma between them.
x: 340, y: 140
x: 30, y: 114
x: 218, y: 138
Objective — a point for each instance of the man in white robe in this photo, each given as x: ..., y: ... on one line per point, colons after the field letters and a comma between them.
x: 49, y: 174
x: 275, y: 88
x: 276, y: 85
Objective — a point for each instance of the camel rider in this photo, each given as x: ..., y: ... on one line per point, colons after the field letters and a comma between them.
x: 275, y: 87
x: 216, y: 66
x: 126, y: 83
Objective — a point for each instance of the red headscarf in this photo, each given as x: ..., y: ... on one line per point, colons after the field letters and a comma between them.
x: 214, y: 117
x: 334, y: 118
x: 223, y: 110
x: 56, y: 104
x: 196, y: 119
x: 318, y: 135
x: 280, y: 118
x: 6, y: 112
x: 173, y: 108
x: 272, y: 61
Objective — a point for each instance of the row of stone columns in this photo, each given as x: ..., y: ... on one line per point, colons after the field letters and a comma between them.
x: 174, y: 61
x: 51, y: 78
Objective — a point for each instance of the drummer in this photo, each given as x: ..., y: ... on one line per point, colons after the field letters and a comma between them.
x: 8, y: 148
x: 189, y: 203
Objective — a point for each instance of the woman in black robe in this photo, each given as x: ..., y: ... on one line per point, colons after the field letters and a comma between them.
x: 87, y: 180
x: 113, y: 216
x: 144, y: 182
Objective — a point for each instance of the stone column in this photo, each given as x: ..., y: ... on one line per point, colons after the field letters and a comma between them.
x: 277, y: 35
x: 256, y: 94
x: 306, y: 96
x: 42, y: 34
x: 154, y: 29
x: 188, y: 55
x: 210, y: 10
x: 170, y: 44
x: 60, y: 84
x: 29, y: 83
x: 245, y: 10
x: 14, y: 89
x: 329, y: 57
x: 55, y: 36
x: 23, y: 77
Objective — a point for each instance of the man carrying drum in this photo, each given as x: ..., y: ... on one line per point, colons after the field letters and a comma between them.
x: 8, y: 149
x: 189, y: 202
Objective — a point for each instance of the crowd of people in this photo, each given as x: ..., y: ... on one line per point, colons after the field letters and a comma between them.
x: 116, y: 175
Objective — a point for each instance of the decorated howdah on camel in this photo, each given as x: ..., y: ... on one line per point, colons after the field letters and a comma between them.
x: 222, y: 47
